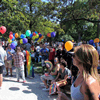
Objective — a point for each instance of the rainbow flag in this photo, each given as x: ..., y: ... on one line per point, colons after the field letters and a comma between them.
x: 52, y: 89
x: 29, y: 64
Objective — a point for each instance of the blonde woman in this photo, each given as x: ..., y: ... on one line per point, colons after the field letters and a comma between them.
x: 87, y: 84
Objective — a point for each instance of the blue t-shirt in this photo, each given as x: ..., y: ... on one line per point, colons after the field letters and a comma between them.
x: 28, y: 46
x: 45, y: 52
x: 9, y: 57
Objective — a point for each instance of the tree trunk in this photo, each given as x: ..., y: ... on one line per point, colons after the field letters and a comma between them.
x: 30, y: 5
x: 98, y: 29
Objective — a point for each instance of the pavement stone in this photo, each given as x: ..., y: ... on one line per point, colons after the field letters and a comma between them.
x: 31, y: 90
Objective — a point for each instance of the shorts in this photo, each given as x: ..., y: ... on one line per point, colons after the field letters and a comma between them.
x: 1, y: 69
x: 8, y: 64
x: 50, y: 77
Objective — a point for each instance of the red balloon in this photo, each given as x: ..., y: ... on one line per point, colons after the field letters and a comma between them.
x: 39, y: 33
x: 11, y: 32
x: 34, y: 34
x: 10, y: 36
x: 2, y: 29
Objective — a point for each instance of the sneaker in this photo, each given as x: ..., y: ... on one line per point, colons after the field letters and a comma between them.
x: 24, y: 81
x: 46, y: 89
x: 11, y: 75
x: 6, y: 74
x: 17, y: 80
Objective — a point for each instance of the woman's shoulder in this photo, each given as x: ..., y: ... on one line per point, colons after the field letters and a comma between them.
x: 90, y: 86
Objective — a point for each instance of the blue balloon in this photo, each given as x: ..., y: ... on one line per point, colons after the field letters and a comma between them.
x: 40, y: 35
x: 14, y: 34
x: 13, y: 38
x: 31, y: 35
x: 12, y: 46
x: 36, y: 39
x: 91, y: 42
x: 25, y: 40
x: 22, y: 36
x: 15, y: 43
x: 53, y: 34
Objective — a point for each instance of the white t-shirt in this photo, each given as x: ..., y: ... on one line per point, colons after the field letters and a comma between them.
x: 38, y: 49
x: 3, y: 54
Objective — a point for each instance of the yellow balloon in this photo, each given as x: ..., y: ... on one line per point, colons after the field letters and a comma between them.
x: 21, y: 41
x: 37, y: 36
x: 68, y: 45
x: 33, y: 37
x: 72, y: 40
x: 9, y: 40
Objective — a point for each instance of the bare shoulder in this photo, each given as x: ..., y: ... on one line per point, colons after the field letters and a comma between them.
x: 91, y: 89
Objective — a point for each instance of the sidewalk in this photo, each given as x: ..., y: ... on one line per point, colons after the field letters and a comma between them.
x: 31, y: 90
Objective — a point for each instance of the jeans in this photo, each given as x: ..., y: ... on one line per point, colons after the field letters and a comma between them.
x: 18, y: 70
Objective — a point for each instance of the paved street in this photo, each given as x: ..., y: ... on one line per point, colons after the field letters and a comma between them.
x: 31, y: 90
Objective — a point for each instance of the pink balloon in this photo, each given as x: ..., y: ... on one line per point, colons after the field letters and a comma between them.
x: 10, y: 36
x: 11, y: 32
x: 2, y: 29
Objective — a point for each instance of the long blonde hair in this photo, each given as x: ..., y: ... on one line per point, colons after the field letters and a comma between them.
x: 89, y: 57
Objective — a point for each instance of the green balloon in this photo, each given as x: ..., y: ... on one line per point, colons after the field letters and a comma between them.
x: 28, y: 32
x: 24, y: 36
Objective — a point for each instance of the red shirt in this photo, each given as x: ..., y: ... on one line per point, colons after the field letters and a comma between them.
x: 52, y: 54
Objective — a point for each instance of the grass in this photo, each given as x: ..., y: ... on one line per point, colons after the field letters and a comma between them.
x: 38, y: 68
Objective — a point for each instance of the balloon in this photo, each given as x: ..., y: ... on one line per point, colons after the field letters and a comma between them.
x: 9, y: 40
x: 53, y: 34
x: 21, y: 41
x: 48, y: 35
x: 25, y: 40
x: 40, y: 35
x: 72, y: 40
x: 68, y: 45
x: 96, y: 40
x: 12, y: 46
x: 91, y: 42
x: 34, y: 34
x: 39, y: 40
x: 22, y: 36
x: 36, y: 39
x: 31, y: 35
x: 11, y: 36
x: 16, y: 35
x: 28, y: 32
x: 37, y: 36
x: 11, y: 32
x: 2, y: 29
x: 15, y: 43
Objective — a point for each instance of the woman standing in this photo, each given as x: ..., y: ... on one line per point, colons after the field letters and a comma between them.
x: 87, y: 84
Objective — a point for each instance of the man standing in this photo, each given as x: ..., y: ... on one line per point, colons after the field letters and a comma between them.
x: 8, y: 62
x: 44, y: 52
x: 3, y: 56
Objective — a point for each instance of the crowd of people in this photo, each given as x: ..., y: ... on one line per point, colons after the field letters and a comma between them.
x: 80, y: 65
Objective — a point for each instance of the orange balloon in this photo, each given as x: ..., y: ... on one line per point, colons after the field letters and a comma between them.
x: 16, y: 35
x: 48, y: 35
x: 68, y: 45
x: 42, y: 37
x: 96, y: 40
